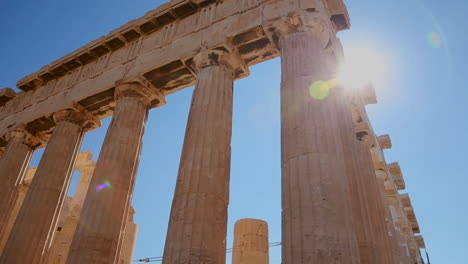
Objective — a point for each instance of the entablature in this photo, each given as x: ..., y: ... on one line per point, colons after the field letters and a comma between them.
x: 159, y: 47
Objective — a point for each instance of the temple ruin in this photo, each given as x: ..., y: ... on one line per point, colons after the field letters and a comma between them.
x: 341, y: 201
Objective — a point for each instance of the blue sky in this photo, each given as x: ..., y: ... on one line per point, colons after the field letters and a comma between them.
x: 422, y: 105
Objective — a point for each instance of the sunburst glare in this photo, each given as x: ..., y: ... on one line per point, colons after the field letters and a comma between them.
x: 362, y: 65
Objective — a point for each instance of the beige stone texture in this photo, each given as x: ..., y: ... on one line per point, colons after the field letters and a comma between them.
x: 13, y: 166
x: 317, y: 222
x: 157, y: 45
x: 68, y: 221
x: 37, y: 219
x: 373, y: 196
x: 69, y: 216
x: 198, y: 220
x: 99, y: 235
x: 358, y: 177
x: 251, y: 244
x: 23, y: 189
x: 129, y: 240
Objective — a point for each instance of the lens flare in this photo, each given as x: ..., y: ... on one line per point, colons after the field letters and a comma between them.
x: 434, y: 39
x: 105, y: 185
x: 321, y: 89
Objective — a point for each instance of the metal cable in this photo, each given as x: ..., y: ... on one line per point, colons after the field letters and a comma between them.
x: 229, y: 250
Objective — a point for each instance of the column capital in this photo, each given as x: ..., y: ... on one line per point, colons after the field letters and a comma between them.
x: 140, y: 88
x: 78, y: 115
x: 306, y: 21
x: 21, y: 135
x: 219, y: 56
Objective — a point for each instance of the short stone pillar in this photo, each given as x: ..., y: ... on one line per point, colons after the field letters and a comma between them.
x: 34, y: 228
x: 99, y: 235
x: 251, y: 244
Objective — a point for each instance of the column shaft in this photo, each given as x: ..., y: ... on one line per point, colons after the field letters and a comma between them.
x: 391, y: 233
x: 98, y: 236
x: 358, y: 194
x: 35, y: 224
x: 13, y: 166
x: 372, y: 193
x: 198, y: 222
x: 317, y: 222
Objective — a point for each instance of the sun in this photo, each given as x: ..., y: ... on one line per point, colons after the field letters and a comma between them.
x: 362, y: 65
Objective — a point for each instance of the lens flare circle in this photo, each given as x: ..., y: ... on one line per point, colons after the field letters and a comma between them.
x: 434, y: 39
x: 105, y: 185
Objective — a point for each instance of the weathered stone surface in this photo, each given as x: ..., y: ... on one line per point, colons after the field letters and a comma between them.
x: 198, y: 221
x: 70, y: 214
x: 35, y: 224
x: 317, y: 222
x: 68, y: 221
x: 98, y: 237
x: 13, y: 166
x: 22, y: 190
x: 158, y: 45
x: 251, y: 244
x: 358, y: 178
x: 6, y: 94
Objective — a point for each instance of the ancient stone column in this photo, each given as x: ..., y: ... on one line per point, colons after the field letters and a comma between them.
x: 316, y: 211
x: 36, y: 222
x: 198, y: 221
x: 251, y: 244
x: 376, y: 206
x: 129, y: 240
x: 356, y: 173
x: 13, y: 166
x: 371, y: 192
x: 98, y: 236
x: 61, y: 245
x: 381, y: 178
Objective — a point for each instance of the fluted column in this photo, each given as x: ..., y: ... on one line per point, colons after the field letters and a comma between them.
x: 376, y: 206
x: 99, y: 234
x: 372, y: 191
x: 361, y: 211
x: 197, y: 226
x: 393, y: 240
x: 13, y: 166
x: 61, y: 245
x: 316, y: 211
x: 36, y: 222
x: 251, y: 244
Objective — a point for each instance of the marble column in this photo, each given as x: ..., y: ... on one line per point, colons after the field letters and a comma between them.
x: 376, y: 205
x: 317, y: 222
x: 393, y: 240
x: 198, y: 221
x: 251, y: 244
x: 13, y: 166
x: 36, y: 222
x: 61, y: 245
x: 359, y: 195
x: 99, y: 234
